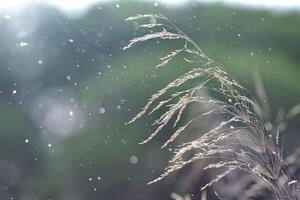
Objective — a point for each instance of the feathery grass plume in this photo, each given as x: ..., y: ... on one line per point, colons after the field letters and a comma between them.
x: 239, y: 142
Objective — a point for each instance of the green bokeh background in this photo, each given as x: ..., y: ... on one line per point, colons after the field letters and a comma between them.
x: 241, y: 40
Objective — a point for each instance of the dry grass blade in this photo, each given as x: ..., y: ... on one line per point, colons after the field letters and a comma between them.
x: 178, y: 197
x: 141, y: 16
x: 240, y: 141
x: 161, y: 35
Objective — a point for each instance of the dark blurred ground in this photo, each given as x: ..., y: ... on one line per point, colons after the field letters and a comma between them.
x: 67, y: 88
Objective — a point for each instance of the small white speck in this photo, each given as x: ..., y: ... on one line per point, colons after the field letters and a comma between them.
x: 23, y: 44
x: 49, y: 145
x: 71, y: 113
x: 117, y: 6
x: 98, y: 178
x: 40, y: 62
x: 133, y: 160
x: 71, y: 40
x: 90, y: 179
x: 26, y: 141
x: 68, y: 77
x: 102, y: 110
x: 14, y: 92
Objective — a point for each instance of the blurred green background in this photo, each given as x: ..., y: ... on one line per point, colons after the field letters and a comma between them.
x: 67, y: 89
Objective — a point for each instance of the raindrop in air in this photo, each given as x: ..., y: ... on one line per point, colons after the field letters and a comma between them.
x: 102, y: 110
x: 68, y: 77
x: 23, y: 44
x: 133, y: 160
